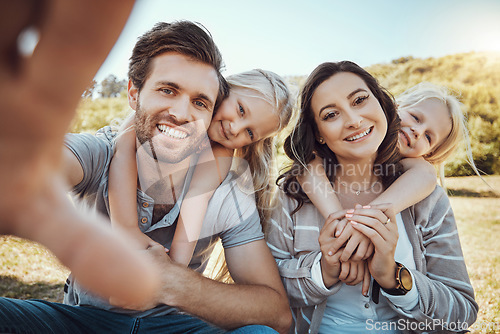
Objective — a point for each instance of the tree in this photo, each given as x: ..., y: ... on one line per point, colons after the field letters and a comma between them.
x: 111, y: 87
x: 89, y: 91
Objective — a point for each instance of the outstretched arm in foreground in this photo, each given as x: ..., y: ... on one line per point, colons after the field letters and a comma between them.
x: 39, y: 97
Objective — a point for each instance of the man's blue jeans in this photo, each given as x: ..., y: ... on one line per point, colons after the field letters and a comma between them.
x: 39, y: 316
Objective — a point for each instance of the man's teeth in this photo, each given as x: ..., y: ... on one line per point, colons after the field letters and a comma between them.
x: 362, y: 134
x: 166, y: 130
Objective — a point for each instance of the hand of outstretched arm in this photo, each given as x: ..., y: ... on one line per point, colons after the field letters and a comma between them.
x: 417, y: 182
x: 100, y: 259
x: 317, y: 187
x: 45, y: 110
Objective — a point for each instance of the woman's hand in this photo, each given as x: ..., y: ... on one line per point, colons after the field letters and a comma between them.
x: 356, y: 245
x: 378, y: 223
x: 333, y: 269
x: 351, y: 272
x: 330, y: 261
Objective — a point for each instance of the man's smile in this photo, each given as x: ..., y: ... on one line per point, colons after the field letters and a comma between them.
x: 171, y: 132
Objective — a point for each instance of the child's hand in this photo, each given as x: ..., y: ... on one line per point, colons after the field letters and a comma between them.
x: 351, y: 272
x: 358, y: 247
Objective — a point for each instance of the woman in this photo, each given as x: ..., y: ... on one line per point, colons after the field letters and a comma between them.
x: 350, y: 122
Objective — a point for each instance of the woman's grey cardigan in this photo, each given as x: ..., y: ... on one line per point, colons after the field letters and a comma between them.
x: 445, y: 293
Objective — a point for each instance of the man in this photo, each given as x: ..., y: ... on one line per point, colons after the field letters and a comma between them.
x: 40, y: 86
x: 174, y: 84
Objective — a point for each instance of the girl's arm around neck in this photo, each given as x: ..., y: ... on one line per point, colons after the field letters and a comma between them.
x: 417, y: 182
x: 317, y: 187
x: 213, y: 166
x: 122, y: 183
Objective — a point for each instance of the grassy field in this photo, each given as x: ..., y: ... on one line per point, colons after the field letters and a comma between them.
x: 478, y: 219
x: 27, y: 270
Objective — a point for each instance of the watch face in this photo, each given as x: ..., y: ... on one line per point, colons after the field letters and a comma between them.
x: 405, y: 278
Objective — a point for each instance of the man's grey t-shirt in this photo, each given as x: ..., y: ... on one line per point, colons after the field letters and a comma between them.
x: 231, y: 214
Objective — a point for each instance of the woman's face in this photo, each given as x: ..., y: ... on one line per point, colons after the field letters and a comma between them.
x: 424, y: 126
x: 241, y: 120
x: 349, y: 117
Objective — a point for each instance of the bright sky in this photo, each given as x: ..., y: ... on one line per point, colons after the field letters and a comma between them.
x: 292, y: 37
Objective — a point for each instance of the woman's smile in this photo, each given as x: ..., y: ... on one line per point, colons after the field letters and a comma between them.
x: 359, y: 135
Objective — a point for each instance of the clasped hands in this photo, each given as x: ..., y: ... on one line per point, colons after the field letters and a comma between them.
x: 359, y: 243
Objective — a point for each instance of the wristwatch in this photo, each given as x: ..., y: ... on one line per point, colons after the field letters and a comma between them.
x: 403, y: 279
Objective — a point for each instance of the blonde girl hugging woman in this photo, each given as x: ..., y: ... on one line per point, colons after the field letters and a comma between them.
x: 258, y: 107
x: 432, y: 126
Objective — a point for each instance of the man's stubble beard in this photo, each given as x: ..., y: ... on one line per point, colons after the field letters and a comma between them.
x: 145, y: 125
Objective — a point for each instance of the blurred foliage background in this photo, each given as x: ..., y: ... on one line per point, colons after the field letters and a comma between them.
x: 474, y: 77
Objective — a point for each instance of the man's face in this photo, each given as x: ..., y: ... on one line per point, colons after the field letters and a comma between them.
x: 175, y: 105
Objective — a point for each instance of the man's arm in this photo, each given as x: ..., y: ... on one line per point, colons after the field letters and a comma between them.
x: 258, y: 297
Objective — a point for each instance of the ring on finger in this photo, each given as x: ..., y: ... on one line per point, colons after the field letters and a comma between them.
x: 388, y: 221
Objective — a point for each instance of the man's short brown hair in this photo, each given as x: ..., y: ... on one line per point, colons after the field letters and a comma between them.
x: 184, y: 37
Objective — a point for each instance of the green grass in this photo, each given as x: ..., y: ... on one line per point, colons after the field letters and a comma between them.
x: 478, y: 222
x: 27, y: 270
x: 473, y: 186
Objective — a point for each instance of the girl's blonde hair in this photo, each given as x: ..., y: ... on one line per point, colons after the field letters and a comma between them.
x: 260, y: 155
x: 425, y: 91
